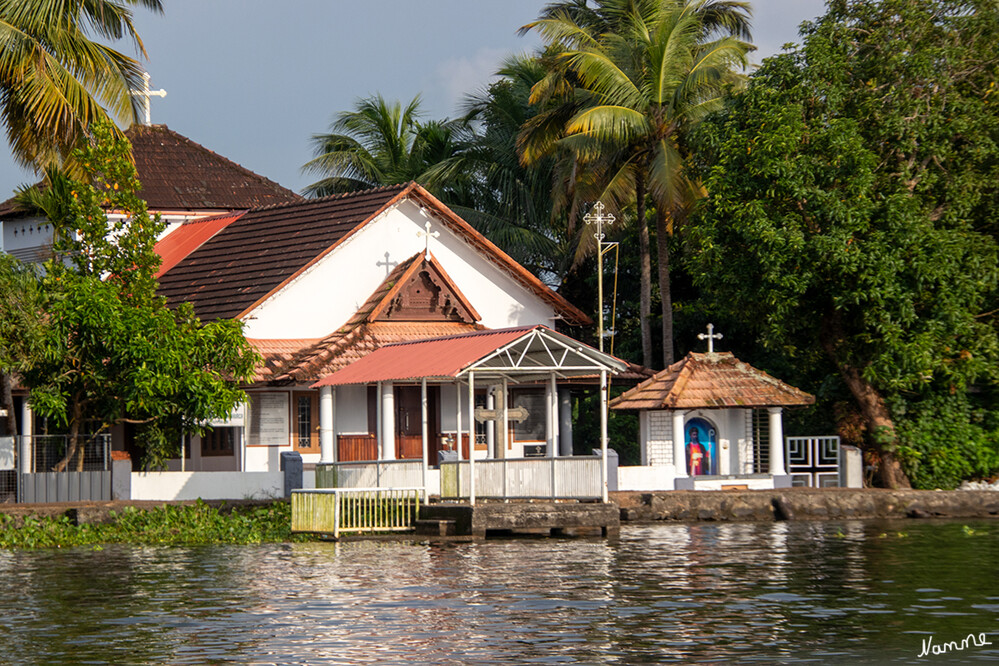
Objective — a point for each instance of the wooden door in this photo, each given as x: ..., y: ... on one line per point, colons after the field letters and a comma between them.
x: 409, y: 423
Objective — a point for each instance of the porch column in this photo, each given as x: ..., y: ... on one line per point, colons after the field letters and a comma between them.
x: 471, y: 441
x: 502, y: 441
x: 326, y: 424
x: 457, y: 418
x: 551, y: 413
x: 603, y: 435
x: 490, y: 424
x: 565, y: 422
x: 423, y: 431
x: 776, y: 441
x: 387, y: 401
x: 27, y: 429
x: 679, y: 452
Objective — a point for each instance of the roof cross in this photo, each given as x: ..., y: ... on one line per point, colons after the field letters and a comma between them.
x: 146, y: 93
x: 710, y: 336
x: 599, y: 219
x: 389, y: 265
x: 428, y: 234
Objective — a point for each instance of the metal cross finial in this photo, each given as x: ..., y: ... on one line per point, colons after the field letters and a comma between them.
x: 428, y: 234
x: 599, y: 219
x: 710, y: 336
x: 146, y: 93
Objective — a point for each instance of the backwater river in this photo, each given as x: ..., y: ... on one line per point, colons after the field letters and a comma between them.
x: 799, y: 592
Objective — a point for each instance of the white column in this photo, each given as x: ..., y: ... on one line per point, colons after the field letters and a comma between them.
x: 551, y: 412
x: 776, y: 441
x: 565, y: 423
x: 27, y: 428
x: 603, y: 435
x: 471, y: 440
x: 679, y: 452
x: 491, y: 423
x: 387, y: 400
x: 326, y: 424
x: 423, y: 431
x: 503, y: 442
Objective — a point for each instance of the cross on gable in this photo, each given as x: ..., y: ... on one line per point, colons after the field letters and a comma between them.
x: 388, y: 264
x: 145, y: 93
x: 428, y: 235
x: 710, y: 336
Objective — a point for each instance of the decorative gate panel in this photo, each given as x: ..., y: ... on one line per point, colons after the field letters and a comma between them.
x: 813, y: 462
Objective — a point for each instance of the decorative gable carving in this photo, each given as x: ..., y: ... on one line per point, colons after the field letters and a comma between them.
x: 426, y: 294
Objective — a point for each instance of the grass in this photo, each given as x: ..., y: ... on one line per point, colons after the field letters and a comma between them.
x: 173, y: 525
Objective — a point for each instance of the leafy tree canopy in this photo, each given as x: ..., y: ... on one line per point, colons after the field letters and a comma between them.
x: 851, y: 198
x: 106, y: 349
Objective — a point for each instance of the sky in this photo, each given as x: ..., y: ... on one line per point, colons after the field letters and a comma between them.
x: 253, y: 80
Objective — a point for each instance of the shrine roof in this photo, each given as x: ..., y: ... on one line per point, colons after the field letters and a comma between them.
x: 711, y: 381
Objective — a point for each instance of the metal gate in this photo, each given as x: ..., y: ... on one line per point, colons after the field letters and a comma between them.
x: 30, y: 476
x: 813, y: 462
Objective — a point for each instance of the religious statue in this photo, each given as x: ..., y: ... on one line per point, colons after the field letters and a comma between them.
x: 698, y: 459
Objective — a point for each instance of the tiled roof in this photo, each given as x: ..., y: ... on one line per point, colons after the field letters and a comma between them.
x: 360, y: 336
x: 266, y: 248
x: 179, y: 174
x: 257, y: 253
x: 276, y: 353
x: 705, y: 381
x: 188, y: 237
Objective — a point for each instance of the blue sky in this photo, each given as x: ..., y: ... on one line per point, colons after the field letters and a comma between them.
x: 253, y: 80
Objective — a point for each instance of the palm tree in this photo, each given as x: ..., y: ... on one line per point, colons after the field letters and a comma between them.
x: 55, y: 81
x: 384, y: 143
x: 634, y: 76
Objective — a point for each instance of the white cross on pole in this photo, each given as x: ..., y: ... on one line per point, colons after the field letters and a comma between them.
x: 710, y: 336
x: 599, y: 219
x: 146, y: 93
x: 428, y: 234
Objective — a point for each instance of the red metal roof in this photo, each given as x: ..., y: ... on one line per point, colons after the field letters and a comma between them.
x: 440, y: 357
x: 188, y: 238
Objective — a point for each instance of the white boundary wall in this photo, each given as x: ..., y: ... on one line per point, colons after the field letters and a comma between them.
x: 166, y: 486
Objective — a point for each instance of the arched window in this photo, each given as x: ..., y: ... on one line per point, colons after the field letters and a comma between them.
x: 700, y: 438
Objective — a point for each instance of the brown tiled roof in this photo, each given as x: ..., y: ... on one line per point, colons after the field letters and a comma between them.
x: 361, y: 335
x: 256, y: 254
x: 276, y: 353
x: 706, y: 381
x: 265, y: 249
x: 179, y: 174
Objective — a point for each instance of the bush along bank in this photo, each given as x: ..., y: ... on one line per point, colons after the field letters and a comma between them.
x: 172, y: 525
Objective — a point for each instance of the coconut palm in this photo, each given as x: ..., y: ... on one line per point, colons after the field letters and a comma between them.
x: 384, y: 143
x: 633, y: 77
x: 55, y: 80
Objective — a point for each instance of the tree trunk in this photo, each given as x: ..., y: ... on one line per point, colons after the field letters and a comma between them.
x: 880, y: 427
x: 74, y: 449
x: 7, y: 391
x: 662, y: 242
x: 645, y: 263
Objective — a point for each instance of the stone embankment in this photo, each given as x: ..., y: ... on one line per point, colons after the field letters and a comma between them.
x: 804, y: 504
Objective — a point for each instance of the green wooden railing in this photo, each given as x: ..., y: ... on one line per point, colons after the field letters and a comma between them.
x: 355, y: 510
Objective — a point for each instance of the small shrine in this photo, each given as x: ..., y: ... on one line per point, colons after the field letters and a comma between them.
x: 710, y: 422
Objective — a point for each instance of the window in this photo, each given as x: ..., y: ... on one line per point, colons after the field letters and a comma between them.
x: 220, y: 441
x: 306, y: 421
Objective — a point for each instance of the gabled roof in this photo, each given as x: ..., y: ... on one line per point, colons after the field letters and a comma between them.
x: 180, y: 175
x: 188, y: 237
x: 525, y: 353
x: 360, y: 336
x: 267, y: 248
x: 705, y: 381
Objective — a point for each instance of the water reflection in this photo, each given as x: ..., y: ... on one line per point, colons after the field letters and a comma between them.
x: 788, y: 592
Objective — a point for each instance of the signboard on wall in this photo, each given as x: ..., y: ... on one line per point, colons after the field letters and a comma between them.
x: 237, y: 418
x: 268, y: 419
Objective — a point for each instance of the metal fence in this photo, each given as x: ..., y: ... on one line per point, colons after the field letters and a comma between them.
x: 37, y: 469
x: 370, y: 474
x: 47, y: 452
x: 576, y: 477
x: 356, y: 510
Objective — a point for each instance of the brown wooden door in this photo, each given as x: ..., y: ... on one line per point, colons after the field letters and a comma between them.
x: 409, y: 422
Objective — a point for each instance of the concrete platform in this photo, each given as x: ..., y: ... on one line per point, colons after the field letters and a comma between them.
x: 501, y: 518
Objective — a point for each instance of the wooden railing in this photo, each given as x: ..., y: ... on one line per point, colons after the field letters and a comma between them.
x: 522, y: 478
x: 370, y: 474
x: 357, y: 510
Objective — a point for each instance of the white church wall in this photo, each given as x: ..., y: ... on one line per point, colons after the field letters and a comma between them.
x: 351, y: 410
x: 330, y: 292
x: 28, y: 238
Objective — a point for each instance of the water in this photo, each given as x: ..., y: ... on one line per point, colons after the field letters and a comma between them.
x: 843, y: 592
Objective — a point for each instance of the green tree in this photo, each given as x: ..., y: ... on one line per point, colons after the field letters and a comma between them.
x: 109, y: 350
x: 635, y: 77
x: 20, y: 318
x: 851, y: 196
x: 56, y: 75
x: 384, y: 143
